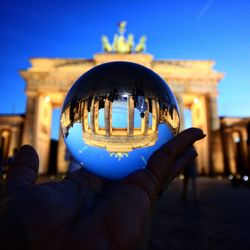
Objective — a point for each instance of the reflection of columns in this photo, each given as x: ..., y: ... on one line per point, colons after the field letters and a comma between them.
x: 84, y: 108
x: 94, y: 111
x: 155, y: 115
x: 62, y: 164
x: 108, y: 117
x: 181, y: 107
x: 96, y: 116
x: 145, y: 120
x: 92, y: 116
x: 130, y: 118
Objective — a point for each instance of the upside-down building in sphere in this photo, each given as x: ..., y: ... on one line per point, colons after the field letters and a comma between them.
x: 194, y: 83
x: 118, y: 139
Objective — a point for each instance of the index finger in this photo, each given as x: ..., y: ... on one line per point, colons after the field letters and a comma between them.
x: 162, y: 162
x: 177, y: 146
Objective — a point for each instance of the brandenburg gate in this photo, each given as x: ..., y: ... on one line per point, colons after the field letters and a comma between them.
x: 194, y: 83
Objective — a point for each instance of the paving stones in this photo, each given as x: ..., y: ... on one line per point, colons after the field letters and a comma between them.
x: 220, y: 221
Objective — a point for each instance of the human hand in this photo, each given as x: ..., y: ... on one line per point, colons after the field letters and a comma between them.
x: 85, y: 211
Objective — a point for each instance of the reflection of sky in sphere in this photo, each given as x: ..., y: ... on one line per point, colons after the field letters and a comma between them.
x: 119, y: 112
x: 99, y: 161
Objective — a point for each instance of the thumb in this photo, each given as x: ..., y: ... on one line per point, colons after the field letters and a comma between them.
x: 24, y: 168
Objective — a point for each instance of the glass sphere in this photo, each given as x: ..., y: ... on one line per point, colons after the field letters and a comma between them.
x: 115, y: 116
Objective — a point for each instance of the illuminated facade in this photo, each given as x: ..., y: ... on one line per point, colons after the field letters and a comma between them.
x: 194, y: 83
x: 48, y: 81
x: 11, y: 130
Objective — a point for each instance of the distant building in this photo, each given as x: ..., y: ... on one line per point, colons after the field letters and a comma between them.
x: 194, y: 82
x: 235, y: 144
x: 11, y: 133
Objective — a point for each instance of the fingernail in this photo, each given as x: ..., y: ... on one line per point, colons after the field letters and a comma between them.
x: 200, y: 131
x: 193, y: 152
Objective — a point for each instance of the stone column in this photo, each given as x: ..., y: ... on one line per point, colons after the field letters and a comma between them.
x: 5, y: 135
x: 243, y: 149
x: 225, y: 147
x: 248, y: 144
x: 200, y: 120
x: 37, y: 127
x: 29, y: 131
x: 14, y: 140
x: 213, y: 111
x: 213, y: 126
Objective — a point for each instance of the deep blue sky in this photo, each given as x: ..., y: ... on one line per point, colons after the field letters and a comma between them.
x: 176, y: 29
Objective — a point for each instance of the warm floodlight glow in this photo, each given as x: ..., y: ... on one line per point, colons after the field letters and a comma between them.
x: 196, y: 100
x: 181, y: 177
x: 47, y: 99
x: 236, y: 137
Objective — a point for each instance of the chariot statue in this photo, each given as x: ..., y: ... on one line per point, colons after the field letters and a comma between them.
x: 121, y: 44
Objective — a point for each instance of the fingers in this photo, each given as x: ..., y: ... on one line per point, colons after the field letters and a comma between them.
x: 179, y: 144
x: 166, y: 163
x: 163, y: 162
x: 24, y: 168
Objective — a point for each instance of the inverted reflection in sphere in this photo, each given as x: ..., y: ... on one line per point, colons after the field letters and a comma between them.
x: 115, y: 116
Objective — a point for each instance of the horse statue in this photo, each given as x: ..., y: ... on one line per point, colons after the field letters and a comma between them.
x: 141, y: 46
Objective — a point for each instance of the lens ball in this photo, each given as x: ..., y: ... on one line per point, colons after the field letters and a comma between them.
x: 115, y: 116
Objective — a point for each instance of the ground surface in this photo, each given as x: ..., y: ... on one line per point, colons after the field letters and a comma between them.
x: 220, y: 221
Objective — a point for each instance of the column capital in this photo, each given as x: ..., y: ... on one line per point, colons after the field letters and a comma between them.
x: 31, y: 93
x: 213, y: 94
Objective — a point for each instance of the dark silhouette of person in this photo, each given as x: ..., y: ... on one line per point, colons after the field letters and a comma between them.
x: 85, y: 211
x: 190, y: 175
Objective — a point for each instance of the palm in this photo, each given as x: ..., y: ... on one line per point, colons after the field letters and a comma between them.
x: 86, y: 211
